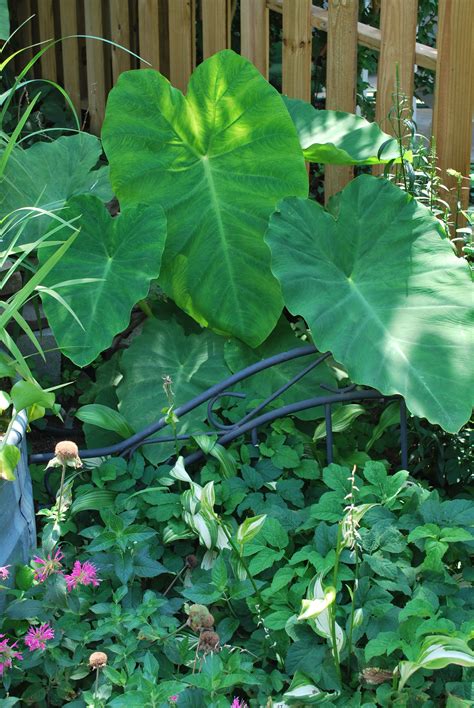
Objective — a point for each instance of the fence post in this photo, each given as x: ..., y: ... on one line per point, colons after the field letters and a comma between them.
x: 149, y: 33
x: 216, y: 18
x: 254, y: 33
x: 181, y: 21
x: 120, y: 33
x: 70, y: 52
x: 297, y: 33
x: 46, y: 31
x: 398, y: 20
x: 454, y: 91
x: 95, y: 65
x: 341, y: 82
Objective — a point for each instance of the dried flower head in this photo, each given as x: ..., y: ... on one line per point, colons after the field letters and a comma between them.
x: 7, y: 653
x: 208, y: 641
x: 375, y: 676
x: 48, y: 566
x: 97, y: 660
x: 4, y: 572
x: 192, y: 561
x: 66, y: 454
x: 82, y: 574
x: 199, y: 617
x: 36, y: 637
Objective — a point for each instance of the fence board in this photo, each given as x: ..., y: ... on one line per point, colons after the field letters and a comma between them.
x: 46, y: 31
x: 398, y: 20
x: 254, y: 33
x: 70, y: 52
x: 297, y: 34
x: 454, y: 91
x: 24, y: 36
x: 216, y: 20
x: 95, y: 65
x: 181, y: 22
x: 341, y: 81
x: 149, y: 32
x: 120, y: 33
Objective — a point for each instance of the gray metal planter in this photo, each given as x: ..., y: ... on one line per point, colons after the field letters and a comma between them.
x: 17, y: 514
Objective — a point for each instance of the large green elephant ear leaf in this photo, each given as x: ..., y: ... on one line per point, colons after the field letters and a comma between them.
x: 193, y: 363
x: 383, y: 291
x: 218, y: 161
x: 338, y: 138
x: 117, y: 257
x: 259, y: 386
x: 46, y: 175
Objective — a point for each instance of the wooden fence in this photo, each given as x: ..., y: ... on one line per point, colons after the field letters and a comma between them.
x: 163, y: 32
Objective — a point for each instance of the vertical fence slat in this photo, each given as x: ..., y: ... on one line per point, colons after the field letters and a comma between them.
x: 454, y: 92
x: 297, y: 32
x: 24, y: 36
x: 95, y: 64
x: 46, y: 31
x: 120, y: 33
x: 398, y: 20
x: 181, y: 21
x: 149, y: 32
x: 341, y: 82
x: 254, y: 33
x: 216, y: 16
x: 70, y: 52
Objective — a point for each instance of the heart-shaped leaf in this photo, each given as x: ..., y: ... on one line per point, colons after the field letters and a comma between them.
x: 46, y: 175
x: 218, y: 161
x: 121, y: 255
x: 383, y: 291
x: 338, y: 138
x: 194, y: 363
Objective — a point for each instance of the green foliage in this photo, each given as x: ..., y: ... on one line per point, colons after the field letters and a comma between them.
x: 46, y: 175
x: 373, y: 258
x: 339, y: 138
x: 114, y: 282
x: 217, y: 161
x: 375, y: 553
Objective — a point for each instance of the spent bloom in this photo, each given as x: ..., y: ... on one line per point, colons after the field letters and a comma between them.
x: 98, y: 659
x: 4, y: 572
x: 66, y: 454
x: 48, y: 566
x: 36, y: 637
x: 7, y: 653
x: 82, y: 574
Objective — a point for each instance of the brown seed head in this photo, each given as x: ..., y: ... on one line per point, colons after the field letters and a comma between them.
x: 66, y: 450
x: 97, y: 660
x: 191, y: 561
x: 376, y: 676
x: 207, y: 621
x: 208, y: 641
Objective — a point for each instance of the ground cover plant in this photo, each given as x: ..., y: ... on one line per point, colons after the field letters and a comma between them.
x: 260, y: 576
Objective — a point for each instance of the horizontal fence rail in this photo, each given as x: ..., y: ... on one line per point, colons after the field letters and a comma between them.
x: 164, y: 34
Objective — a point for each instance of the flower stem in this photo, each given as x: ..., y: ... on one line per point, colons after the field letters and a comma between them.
x: 351, y: 622
x: 61, y: 490
x: 332, y: 615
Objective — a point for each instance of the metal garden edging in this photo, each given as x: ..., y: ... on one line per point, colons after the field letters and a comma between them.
x: 251, y: 422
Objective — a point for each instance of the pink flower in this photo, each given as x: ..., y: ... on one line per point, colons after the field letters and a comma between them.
x: 4, y: 572
x: 82, y: 574
x: 48, y: 566
x: 173, y: 699
x: 237, y: 703
x: 7, y: 654
x: 36, y: 637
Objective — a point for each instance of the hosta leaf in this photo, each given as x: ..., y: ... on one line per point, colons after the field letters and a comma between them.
x: 341, y: 419
x: 437, y: 652
x: 338, y: 138
x: 122, y: 255
x: 302, y: 691
x: 383, y: 291
x: 104, y: 417
x: 238, y: 355
x: 47, y: 174
x: 193, y: 362
x: 218, y: 161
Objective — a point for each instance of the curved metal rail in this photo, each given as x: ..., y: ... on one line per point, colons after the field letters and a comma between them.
x: 256, y: 417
